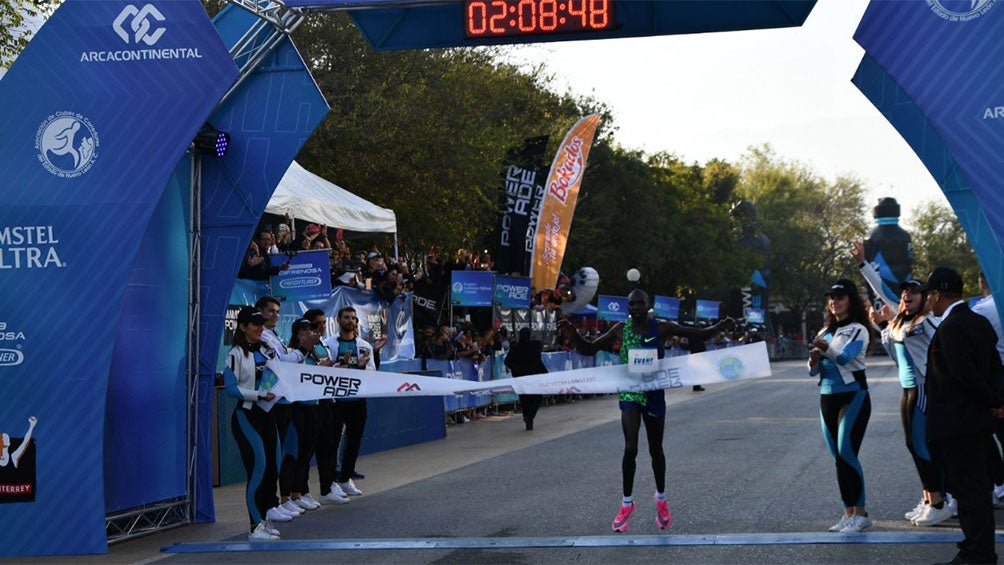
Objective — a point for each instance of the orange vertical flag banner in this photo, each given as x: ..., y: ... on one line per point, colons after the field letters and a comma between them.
x: 562, y: 190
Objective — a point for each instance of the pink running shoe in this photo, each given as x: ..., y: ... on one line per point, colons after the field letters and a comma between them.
x: 663, y: 519
x: 621, y: 521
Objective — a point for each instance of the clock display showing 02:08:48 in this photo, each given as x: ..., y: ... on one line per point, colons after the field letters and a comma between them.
x: 513, y: 18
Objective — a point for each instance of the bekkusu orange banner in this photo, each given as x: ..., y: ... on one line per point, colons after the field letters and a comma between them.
x: 555, y: 220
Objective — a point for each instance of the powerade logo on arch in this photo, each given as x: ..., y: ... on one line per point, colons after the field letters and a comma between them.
x: 961, y: 10
x: 67, y: 144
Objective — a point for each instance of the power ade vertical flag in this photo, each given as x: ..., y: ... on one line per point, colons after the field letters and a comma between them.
x: 555, y: 220
x: 522, y: 196
x: 96, y: 113
x: 933, y: 69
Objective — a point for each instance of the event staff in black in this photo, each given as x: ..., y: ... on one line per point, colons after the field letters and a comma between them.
x: 965, y: 393
x: 253, y: 428
x: 524, y: 359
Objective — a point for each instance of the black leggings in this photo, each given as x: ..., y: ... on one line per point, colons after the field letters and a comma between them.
x: 631, y: 419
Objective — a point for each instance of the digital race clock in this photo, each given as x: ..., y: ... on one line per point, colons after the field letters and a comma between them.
x: 486, y: 19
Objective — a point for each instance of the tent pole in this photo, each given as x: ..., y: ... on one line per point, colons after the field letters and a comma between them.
x: 397, y: 259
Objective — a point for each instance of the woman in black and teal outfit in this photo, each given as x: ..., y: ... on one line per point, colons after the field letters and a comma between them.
x: 648, y: 407
x: 253, y: 428
x: 838, y: 359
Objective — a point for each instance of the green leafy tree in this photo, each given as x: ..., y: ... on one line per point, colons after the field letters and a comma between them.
x: 940, y: 241
x: 811, y: 224
x: 16, y: 29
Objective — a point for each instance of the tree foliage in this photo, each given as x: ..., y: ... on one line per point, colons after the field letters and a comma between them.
x: 811, y: 224
x: 940, y: 241
x: 14, y: 33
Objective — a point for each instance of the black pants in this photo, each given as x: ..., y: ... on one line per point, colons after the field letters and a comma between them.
x: 631, y: 420
x: 353, y: 415
x: 966, y: 461
x: 530, y: 404
x: 326, y: 445
x: 255, y: 434
x: 929, y: 471
x: 297, y: 424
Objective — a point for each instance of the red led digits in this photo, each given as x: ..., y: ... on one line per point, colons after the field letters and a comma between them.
x: 490, y: 19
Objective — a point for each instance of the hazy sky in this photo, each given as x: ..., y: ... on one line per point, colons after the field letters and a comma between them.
x: 713, y: 95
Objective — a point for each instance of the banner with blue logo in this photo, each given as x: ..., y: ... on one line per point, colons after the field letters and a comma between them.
x: 611, y: 308
x: 96, y: 113
x: 706, y: 310
x: 512, y: 292
x: 755, y: 315
x: 471, y: 288
x: 945, y: 95
x: 307, y: 278
x: 666, y: 307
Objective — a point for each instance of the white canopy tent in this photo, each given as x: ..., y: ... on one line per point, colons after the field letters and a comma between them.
x: 306, y: 196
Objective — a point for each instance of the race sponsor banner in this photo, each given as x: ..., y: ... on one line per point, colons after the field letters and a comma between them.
x: 307, y: 278
x: 666, y: 307
x: 562, y: 191
x: 522, y: 196
x: 471, y: 288
x: 707, y: 310
x: 512, y: 292
x: 310, y: 382
x: 18, y: 481
x: 611, y: 308
x: 755, y: 315
x: 429, y: 301
x: 96, y: 113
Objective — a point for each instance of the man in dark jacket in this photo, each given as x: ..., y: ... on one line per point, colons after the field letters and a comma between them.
x: 524, y: 359
x: 965, y: 393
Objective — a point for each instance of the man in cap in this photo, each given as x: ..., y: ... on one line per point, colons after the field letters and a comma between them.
x: 965, y: 395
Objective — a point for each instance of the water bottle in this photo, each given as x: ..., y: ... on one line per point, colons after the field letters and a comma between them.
x: 889, y: 248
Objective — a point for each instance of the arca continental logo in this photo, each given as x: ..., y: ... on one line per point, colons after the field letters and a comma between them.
x: 141, y: 22
x: 961, y: 10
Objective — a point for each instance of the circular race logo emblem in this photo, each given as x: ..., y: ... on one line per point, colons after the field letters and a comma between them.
x: 268, y: 379
x: 67, y: 144
x: 960, y: 10
x: 458, y: 287
x: 731, y: 368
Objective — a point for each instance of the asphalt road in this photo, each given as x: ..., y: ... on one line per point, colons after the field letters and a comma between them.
x: 750, y: 480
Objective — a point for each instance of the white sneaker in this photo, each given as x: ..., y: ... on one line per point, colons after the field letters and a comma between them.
x: 844, y: 520
x: 999, y: 491
x: 310, y: 500
x: 292, y: 508
x: 333, y: 498
x: 335, y: 488
x: 261, y: 533
x: 933, y: 516
x: 348, y: 487
x: 304, y: 504
x: 277, y: 514
x: 953, y: 504
x: 917, y: 510
x: 857, y: 524
x: 271, y: 529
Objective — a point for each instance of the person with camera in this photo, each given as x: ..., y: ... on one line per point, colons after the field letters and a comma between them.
x: 257, y: 263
